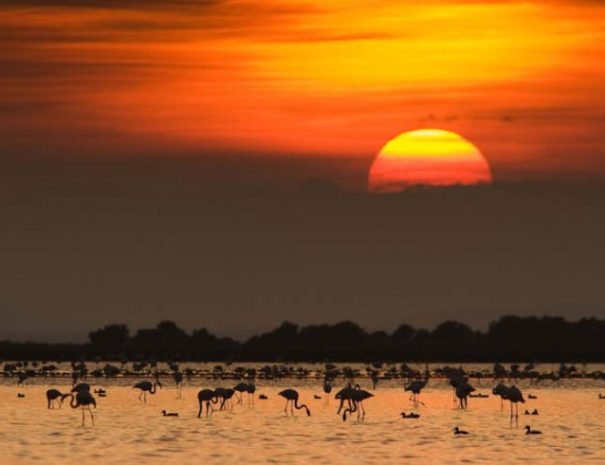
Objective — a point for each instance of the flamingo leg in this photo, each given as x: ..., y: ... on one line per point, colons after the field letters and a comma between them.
x: 92, y: 419
x: 292, y: 407
x: 286, y: 407
x: 82, y: 415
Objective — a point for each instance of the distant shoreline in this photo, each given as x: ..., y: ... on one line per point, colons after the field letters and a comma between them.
x: 509, y: 339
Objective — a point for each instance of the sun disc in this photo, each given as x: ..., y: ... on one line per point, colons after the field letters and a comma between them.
x: 432, y: 157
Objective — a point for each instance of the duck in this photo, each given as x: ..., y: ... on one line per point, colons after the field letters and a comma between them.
x: 315, y: 396
x: 20, y: 395
x: 169, y: 414
x: 410, y: 415
x: 534, y: 411
x: 458, y: 431
x: 601, y: 396
x: 528, y: 430
x: 532, y: 396
x: 262, y: 397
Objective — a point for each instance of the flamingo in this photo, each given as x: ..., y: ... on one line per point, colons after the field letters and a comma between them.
x: 225, y: 394
x: 415, y: 387
x: 145, y: 387
x: 291, y: 397
x: 344, y: 395
x: 81, y: 387
x: 178, y: 379
x: 462, y: 392
x: 514, y: 396
x: 357, y: 397
x: 83, y: 399
x: 54, y: 394
x: 502, y: 391
x: 241, y: 388
x: 456, y: 380
x: 327, y: 389
x: 251, y: 389
x: 207, y: 396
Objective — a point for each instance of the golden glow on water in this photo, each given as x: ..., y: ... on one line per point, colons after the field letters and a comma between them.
x: 128, y: 432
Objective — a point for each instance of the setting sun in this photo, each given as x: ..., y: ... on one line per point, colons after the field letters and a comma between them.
x: 430, y: 157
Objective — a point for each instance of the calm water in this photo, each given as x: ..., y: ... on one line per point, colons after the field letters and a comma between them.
x: 572, y: 419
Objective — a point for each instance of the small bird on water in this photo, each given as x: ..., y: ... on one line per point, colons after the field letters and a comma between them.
x: 169, y: 414
x: 458, y: 431
x: 410, y: 415
x: 20, y: 395
x: 528, y: 430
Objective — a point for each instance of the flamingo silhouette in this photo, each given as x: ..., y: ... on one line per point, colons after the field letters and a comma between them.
x: 463, y: 390
x: 327, y: 389
x: 514, y: 396
x: 291, y: 397
x: 357, y: 398
x: 146, y: 387
x: 344, y: 395
x: 178, y: 379
x: 81, y: 387
x: 207, y: 396
x: 250, y: 389
x: 415, y: 387
x: 241, y: 388
x: 225, y: 394
x: 54, y: 394
x: 84, y: 400
x: 502, y: 391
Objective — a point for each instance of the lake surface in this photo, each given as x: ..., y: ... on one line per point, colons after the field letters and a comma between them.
x: 571, y: 417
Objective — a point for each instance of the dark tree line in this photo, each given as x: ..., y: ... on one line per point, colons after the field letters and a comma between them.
x: 508, y: 339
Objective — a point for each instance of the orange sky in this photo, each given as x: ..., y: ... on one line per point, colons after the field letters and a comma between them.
x: 524, y: 81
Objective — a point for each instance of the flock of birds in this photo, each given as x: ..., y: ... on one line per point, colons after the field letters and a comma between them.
x: 351, y: 398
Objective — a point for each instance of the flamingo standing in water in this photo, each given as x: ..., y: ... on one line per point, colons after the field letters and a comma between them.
x: 146, y: 387
x: 357, y: 397
x: 344, y: 395
x: 502, y: 391
x: 463, y: 390
x: 514, y: 396
x: 178, y: 379
x: 206, y: 396
x: 54, y: 394
x: 291, y: 397
x: 84, y: 400
x: 241, y: 388
x: 415, y: 387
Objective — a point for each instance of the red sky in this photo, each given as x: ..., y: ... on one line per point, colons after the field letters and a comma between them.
x: 524, y: 81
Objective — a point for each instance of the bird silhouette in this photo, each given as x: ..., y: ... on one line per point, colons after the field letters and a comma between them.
x: 146, y: 387
x: 531, y: 396
x: 456, y: 379
x: 54, y: 394
x: 601, y: 396
x: 81, y: 387
x: 84, y: 400
x: 415, y: 387
x: 206, y: 396
x: 178, y: 380
x: 463, y: 390
x: 262, y: 397
x: 410, y: 415
x: 250, y: 389
x: 344, y: 395
x: 502, y: 391
x: 514, y: 396
x: 528, y: 430
x: 240, y: 388
x: 169, y: 414
x: 291, y: 397
x: 458, y: 431
x: 357, y: 397
x: 224, y: 395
